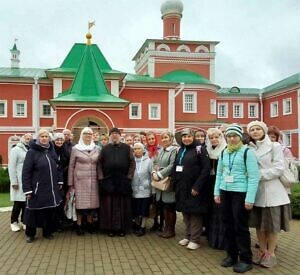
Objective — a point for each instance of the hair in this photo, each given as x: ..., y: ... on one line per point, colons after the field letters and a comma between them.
x: 168, y: 133
x: 143, y: 133
x: 43, y: 131
x: 273, y: 130
x: 104, y: 136
x: 214, y: 131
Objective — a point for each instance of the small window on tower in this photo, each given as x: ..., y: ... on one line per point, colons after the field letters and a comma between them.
x: 173, y: 28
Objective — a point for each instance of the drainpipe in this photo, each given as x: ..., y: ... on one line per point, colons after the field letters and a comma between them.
x: 36, y: 104
x: 123, y: 87
x: 261, y: 107
x: 180, y: 89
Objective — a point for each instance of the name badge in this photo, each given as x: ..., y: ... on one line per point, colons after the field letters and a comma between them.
x: 229, y: 178
x: 179, y: 168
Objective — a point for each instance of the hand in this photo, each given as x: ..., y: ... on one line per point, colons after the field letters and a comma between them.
x: 155, y: 177
x: 217, y: 199
x: 194, y: 192
x: 15, y: 186
x: 248, y: 206
x: 28, y: 196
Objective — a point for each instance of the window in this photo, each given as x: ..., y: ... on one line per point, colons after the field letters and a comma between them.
x: 154, y: 112
x: 189, y: 102
x: 135, y: 111
x: 287, y: 139
x: 45, y: 109
x: 252, y: 110
x: 274, y: 109
x: 20, y: 108
x: 223, y: 110
x: 3, y: 108
x: 213, y: 107
x: 238, y: 110
x: 287, y: 106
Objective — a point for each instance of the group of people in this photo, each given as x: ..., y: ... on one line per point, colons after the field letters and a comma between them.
x: 220, y: 182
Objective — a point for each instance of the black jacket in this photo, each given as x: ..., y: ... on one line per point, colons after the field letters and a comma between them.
x: 195, y: 174
x: 40, y: 177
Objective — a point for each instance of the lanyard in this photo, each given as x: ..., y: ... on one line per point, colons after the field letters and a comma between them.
x: 181, y: 156
x: 139, y: 168
x: 231, y: 162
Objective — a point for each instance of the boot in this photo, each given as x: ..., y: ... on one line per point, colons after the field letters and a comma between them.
x: 79, y: 230
x: 166, y: 230
x: 155, y: 225
x: 171, y: 225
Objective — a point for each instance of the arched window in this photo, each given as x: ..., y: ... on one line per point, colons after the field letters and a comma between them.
x: 201, y: 49
x: 183, y: 48
x: 163, y: 47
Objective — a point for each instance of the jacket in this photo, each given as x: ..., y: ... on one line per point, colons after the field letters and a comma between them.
x: 40, y: 177
x: 15, y: 167
x: 245, y: 177
x: 270, y: 158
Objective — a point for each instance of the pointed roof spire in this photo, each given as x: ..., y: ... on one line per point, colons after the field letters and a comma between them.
x: 88, y: 86
x: 15, y: 55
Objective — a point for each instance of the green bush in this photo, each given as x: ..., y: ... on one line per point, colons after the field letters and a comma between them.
x: 295, y: 201
x: 4, y: 180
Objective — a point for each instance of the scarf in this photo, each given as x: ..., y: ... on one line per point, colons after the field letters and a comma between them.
x: 46, y: 146
x: 83, y: 147
x: 234, y: 147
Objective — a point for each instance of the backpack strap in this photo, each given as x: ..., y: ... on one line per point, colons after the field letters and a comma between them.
x: 245, y: 156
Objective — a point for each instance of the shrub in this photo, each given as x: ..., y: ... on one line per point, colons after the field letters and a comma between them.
x: 4, y: 180
x: 295, y: 201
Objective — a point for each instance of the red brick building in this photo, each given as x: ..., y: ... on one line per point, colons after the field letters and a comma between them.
x: 173, y: 87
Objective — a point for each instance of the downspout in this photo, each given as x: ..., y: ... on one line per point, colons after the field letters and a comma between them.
x: 35, y: 104
x: 298, y: 104
x: 261, y: 107
x: 123, y: 87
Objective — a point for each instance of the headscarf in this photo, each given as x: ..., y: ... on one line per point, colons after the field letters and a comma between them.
x: 83, y: 147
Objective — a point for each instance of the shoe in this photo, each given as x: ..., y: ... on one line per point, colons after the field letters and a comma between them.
x: 193, y: 246
x: 79, y: 230
x: 121, y: 233
x: 228, y: 262
x: 155, y: 226
x: 49, y: 237
x: 268, y: 260
x: 257, y: 258
x: 168, y: 234
x: 23, y: 226
x: 29, y: 239
x: 141, y: 232
x: 242, y: 267
x: 111, y: 234
x: 184, y: 242
x: 15, y: 227
x: 90, y: 228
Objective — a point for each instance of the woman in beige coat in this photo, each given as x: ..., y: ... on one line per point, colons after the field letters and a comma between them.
x: 82, y: 178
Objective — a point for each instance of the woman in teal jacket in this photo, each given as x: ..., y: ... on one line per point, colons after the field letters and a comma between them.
x: 235, y: 189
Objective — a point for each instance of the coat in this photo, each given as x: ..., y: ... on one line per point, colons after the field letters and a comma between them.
x: 15, y: 167
x: 116, y: 169
x: 194, y: 175
x: 40, y: 177
x: 83, y: 178
x: 270, y: 158
x: 164, y: 161
x: 141, y: 182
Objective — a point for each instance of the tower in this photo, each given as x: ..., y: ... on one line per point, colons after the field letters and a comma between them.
x: 15, y: 56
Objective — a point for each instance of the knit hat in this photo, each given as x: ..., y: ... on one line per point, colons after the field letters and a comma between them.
x: 258, y: 123
x: 187, y: 131
x: 58, y: 136
x: 234, y: 129
x: 138, y: 145
x: 114, y: 130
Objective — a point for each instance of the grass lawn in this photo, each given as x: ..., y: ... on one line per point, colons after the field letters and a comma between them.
x: 5, y: 200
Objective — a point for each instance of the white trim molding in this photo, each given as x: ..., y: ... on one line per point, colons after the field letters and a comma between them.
x: 201, y: 49
x: 274, y: 112
x: 42, y: 104
x: 255, y: 110
x: 4, y: 114
x: 163, y: 47
x: 138, y: 111
x: 225, y: 105
x: 287, y: 106
x: 19, y: 113
x: 183, y: 48
x: 158, y: 111
x: 191, y: 105
x: 238, y: 110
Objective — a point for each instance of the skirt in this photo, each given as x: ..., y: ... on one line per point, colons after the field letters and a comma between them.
x: 140, y: 207
x: 271, y: 219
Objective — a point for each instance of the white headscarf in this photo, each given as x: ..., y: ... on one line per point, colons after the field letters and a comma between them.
x: 83, y: 147
x: 214, y: 153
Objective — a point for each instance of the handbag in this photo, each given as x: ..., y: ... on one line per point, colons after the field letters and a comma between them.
x: 163, y: 185
x: 290, y: 175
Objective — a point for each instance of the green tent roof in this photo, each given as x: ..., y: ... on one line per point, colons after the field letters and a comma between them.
x: 186, y: 76
x: 88, y: 84
x: 285, y: 83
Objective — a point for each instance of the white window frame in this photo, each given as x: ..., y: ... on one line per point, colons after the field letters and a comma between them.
x: 5, y: 108
x: 255, y: 105
x: 284, y: 111
x: 213, y: 107
x: 241, y: 109
x: 225, y: 111
x: 42, y: 103
x: 287, y: 139
x: 15, y: 102
x: 271, y: 109
x: 139, y: 111
x: 194, y: 103
x: 158, y: 111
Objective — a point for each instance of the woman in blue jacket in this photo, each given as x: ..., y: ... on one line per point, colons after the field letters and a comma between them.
x: 235, y: 189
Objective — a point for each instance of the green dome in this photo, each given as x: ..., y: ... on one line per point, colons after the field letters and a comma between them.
x: 185, y: 77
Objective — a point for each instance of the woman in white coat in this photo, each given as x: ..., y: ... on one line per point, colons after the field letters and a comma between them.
x: 271, y: 211
x: 15, y: 166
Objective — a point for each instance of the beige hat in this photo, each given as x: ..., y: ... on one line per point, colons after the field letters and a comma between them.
x: 258, y: 123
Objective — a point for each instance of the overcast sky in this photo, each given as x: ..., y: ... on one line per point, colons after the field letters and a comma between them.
x: 259, y: 39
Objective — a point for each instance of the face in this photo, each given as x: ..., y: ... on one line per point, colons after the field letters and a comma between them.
x: 144, y: 139
x: 165, y: 140
x: 151, y: 139
x: 87, y: 138
x: 137, y: 139
x: 256, y: 133
x: 67, y: 135
x: 200, y: 136
x: 138, y: 152
x: 59, y: 142
x: 95, y: 136
x: 44, y: 138
x: 104, y: 141
x: 129, y: 140
x: 187, y: 139
x: 272, y: 137
x: 233, y: 139
x: 214, y: 139
x: 27, y: 138
x: 115, y: 137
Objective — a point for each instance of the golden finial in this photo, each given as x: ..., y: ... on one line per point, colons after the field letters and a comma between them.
x: 89, y: 35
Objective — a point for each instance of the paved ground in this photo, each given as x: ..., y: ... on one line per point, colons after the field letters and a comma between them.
x: 99, y: 254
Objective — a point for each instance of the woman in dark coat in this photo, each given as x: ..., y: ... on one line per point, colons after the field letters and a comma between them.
x: 190, y: 178
x: 115, y: 170
x: 41, y: 182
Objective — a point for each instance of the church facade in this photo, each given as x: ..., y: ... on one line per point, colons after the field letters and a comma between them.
x: 173, y: 87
